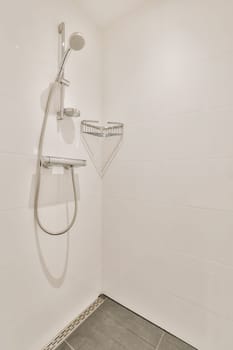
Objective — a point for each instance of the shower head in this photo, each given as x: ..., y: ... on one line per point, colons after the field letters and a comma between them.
x: 76, y: 43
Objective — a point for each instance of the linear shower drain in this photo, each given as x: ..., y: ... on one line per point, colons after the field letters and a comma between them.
x: 66, y: 332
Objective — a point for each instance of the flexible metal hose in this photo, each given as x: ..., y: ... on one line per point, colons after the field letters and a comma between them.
x: 38, y: 173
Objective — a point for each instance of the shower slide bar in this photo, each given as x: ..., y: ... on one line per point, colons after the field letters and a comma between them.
x: 76, y: 42
x: 49, y: 162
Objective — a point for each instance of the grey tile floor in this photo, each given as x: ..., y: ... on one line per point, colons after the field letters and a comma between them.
x: 113, y: 327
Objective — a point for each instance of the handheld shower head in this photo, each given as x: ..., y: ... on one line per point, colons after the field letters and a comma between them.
x: 77, y: 41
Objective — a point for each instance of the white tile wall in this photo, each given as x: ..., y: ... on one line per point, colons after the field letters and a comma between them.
x: 168, y: 75
x: 45, y: 282
x: 168, y: 196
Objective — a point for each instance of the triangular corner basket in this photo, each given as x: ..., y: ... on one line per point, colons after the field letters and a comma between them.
x: 102, y: 142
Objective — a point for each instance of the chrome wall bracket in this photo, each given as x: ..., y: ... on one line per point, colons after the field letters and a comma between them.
x: 64, y: 112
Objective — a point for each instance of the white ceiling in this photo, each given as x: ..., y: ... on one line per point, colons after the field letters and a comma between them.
x: 103, y: 12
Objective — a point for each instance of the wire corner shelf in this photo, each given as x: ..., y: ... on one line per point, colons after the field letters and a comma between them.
x: 91, y: 127
x: 111, y: 131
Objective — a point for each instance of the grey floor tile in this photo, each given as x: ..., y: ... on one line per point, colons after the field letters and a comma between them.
x: 136, y: 324
x: 106, y: 333
x: 93, y: 339
x: 113, y: 327
x: 172, y: 343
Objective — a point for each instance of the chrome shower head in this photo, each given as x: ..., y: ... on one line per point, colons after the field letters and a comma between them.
x: 77, y: 41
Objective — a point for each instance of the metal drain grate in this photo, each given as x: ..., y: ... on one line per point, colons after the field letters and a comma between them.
x: 66, y: 332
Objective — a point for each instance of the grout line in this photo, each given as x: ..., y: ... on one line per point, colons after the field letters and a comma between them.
x: 68, y: 344
x: 116, y: 197
x: 160, y: 340
x: 16, y: 154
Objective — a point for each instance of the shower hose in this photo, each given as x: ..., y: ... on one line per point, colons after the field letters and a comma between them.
x: 38, y: 173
